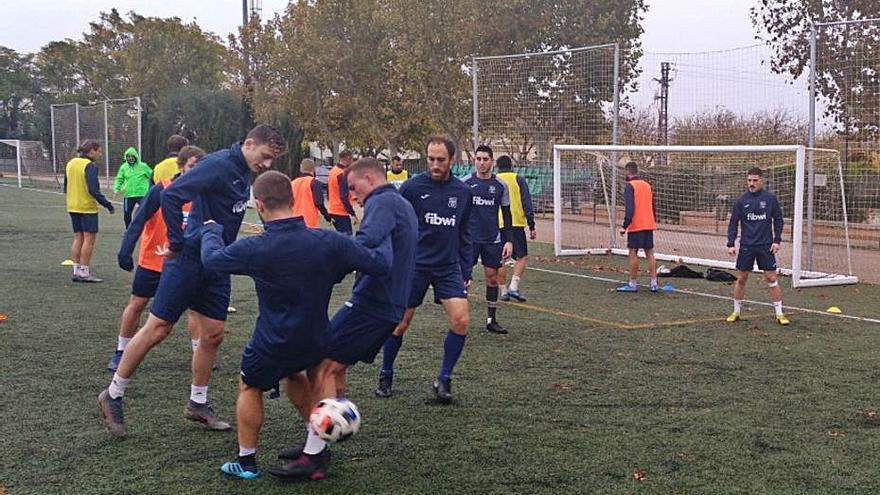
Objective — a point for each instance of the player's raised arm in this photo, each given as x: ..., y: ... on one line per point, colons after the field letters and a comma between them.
x: 353, y: 256
x: 234, y: 258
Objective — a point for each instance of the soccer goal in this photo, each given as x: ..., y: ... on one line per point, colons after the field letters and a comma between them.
x: 26, y: 163
x: 694, y: 190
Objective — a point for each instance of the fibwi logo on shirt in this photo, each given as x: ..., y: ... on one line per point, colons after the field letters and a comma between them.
x: 480, y: 201
x: 435, y: 219
x: 239, y: 207
x: 453, y: 202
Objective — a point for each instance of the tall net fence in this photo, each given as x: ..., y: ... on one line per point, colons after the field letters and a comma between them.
x: 694, y: 192
x: 847, y: 116
x: 728, y: 97
x: 115, y: 124
x: 527, y: 103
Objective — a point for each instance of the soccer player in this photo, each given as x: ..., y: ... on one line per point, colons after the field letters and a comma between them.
x: 148, y: 222
x: 167, y: 168
x: 362, y: 325
x: 134, y: 180
x: 308, y: 197
x: 397, y: 175
x: 338, y: 204
x: 639, y: 225
x: 83, y: 193
x: 760, y: 215
x: 522, y: 212
x: 294, y: 269
x: 443, y: 260
x: 218, y: 189
x: 491, y: 244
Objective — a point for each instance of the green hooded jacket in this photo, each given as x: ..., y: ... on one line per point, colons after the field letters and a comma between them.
x: 134, y: 179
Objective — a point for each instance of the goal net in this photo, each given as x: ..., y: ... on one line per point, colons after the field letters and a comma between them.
x: 694, y: 188
x: 25, y: 163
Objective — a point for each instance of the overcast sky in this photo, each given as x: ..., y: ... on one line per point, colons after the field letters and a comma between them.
x: 670, y: 25
x: 700, y: 82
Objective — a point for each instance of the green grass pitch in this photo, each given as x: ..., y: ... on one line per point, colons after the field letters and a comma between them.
x: 589, y: 388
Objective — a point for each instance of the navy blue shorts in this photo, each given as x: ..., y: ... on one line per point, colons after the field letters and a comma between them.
x: 342, y: 223
x: 520, y: 244
x: 145, y: 282
x: 185, y: 284
x: 643, y: 239
x: 447, y: 283
x: 748, y: 255
x: 84, y: 222
x: 356, y: 335
x: 261, y: 373
x: 489, y: 253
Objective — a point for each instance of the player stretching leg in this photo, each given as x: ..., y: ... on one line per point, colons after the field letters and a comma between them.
x: 760, y: 215
x: 443, y: 260
x: 218, y: 189
x: 148, y: 221
x: 294, y: 269
x: 491, y: 244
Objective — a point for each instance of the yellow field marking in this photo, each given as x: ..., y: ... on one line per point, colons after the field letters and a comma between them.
x: 627, y: 326
x: 557, y: 312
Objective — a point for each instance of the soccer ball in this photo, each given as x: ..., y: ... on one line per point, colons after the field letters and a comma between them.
x: 335, y: 420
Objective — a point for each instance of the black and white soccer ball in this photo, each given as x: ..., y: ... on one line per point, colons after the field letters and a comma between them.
x: 335, y: 420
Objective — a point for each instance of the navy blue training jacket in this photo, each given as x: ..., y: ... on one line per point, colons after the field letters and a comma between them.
x: 387, y: 215
x: 760, y: 215
x: 219, y: 191
x: 443, y: 210
x: 294, y: 269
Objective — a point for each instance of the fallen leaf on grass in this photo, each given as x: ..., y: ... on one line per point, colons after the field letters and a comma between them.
x: 765, y: 334
x: 837, y: 433
x: 561, y: 386
x: 640, y: 475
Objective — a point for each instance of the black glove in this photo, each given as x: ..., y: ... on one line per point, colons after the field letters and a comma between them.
x: 125, y: 262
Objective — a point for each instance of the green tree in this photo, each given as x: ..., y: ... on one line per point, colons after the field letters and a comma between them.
x: 848, y: 64
x: 17, y: 92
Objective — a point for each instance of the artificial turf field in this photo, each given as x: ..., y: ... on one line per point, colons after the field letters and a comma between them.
x: 591, y: 392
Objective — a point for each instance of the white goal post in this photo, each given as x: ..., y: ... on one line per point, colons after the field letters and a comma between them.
x: 694, y: 190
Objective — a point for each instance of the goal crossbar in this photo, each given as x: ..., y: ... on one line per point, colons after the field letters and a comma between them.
x: 801, y: 277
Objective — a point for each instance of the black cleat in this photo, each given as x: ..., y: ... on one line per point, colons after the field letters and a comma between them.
x: 291, y: 453
x: 443, y: 391
x: 384, y: 388
x: 113, y: 364
x: 111, y: 410
x: 495, y: 327
x: 305, y: 467
x: 203, y: 413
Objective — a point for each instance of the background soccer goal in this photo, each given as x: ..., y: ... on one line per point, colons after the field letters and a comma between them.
x: 25, y: 162
x: 116, y: 124
x: 694, y: 190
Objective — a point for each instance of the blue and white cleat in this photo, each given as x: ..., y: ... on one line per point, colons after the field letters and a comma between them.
x: 235, y: 469
x: 627, y: 288
x: 515, y: 294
